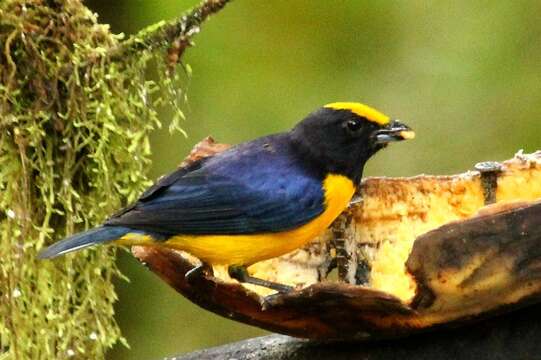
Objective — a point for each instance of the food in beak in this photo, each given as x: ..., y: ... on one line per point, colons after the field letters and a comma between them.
x: 395, y: 131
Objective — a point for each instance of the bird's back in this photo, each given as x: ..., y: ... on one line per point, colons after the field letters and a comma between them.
x: 255, y: 187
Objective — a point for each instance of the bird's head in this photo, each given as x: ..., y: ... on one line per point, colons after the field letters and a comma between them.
x: 342, y: 136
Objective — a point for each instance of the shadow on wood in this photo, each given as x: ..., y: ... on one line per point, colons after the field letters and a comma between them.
x: 513, y: 336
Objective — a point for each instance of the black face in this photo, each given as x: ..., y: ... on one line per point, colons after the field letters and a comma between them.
x: 341, y: 142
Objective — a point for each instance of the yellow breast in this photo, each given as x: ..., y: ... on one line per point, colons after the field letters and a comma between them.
x: 249, y: 249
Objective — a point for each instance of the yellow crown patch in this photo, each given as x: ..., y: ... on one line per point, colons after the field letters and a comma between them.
x: 362, y: 110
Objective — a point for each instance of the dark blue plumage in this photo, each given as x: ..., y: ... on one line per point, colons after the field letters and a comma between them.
x: 261, y: 186
x: 84, y: 239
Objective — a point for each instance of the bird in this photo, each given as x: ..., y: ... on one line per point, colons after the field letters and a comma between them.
x: 257, y: 200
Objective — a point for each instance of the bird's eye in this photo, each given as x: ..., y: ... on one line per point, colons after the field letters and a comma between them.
x: 353, y: 126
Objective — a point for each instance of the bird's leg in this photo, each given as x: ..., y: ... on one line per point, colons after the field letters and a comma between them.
x: 239, y: 273
x: 198, y: 271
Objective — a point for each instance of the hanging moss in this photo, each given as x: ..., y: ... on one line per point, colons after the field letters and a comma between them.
x: 74, y: 146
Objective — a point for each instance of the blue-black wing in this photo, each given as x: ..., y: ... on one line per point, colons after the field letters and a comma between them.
x: 262, y: 186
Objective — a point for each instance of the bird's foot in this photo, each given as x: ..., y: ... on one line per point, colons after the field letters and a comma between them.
x: 198, y: 272
x: 270, y: 301
x: 240, y: 273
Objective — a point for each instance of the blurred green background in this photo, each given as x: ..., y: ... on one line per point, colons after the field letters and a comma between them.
x: 465, y: 75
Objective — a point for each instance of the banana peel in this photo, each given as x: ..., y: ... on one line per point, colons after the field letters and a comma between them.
x: 408, y: 255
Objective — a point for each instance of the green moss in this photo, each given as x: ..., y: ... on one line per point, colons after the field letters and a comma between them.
x: 74, y: 146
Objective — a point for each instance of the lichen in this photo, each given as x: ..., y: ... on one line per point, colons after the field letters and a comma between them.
x: 74, y: 146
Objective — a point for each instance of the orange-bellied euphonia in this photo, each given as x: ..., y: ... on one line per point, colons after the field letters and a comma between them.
x: 256, y: 200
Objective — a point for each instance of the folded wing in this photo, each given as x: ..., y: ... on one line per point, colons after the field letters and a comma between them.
x: 240, y: 192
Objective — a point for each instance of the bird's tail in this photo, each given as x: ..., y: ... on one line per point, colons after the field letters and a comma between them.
x: 84, y: 239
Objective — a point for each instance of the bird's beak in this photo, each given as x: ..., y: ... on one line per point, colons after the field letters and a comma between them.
x: 395, y: 131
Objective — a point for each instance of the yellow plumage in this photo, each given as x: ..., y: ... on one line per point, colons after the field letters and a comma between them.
x: 249, y: 249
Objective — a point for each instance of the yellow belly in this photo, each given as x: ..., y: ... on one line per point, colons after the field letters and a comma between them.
x: 249, y: 249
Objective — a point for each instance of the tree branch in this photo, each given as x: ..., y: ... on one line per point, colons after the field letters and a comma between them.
x: 174, y: 34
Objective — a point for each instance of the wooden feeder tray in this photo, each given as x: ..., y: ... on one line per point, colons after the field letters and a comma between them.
x: 412, y: 254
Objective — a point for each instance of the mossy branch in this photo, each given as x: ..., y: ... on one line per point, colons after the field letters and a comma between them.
x: 76, y: 111
x: 175, y: 35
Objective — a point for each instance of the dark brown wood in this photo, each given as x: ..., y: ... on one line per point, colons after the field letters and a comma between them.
x: 512, y: 336
x: 323, y: 310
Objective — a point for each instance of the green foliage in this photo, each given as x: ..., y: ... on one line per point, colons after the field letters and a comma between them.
x: 74, y: 146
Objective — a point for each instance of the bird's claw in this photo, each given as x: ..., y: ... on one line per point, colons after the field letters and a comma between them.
x: 270, y: 301
x: 198, y: 272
